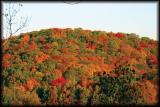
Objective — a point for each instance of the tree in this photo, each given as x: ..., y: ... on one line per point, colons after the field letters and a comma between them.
x: 13, y: 22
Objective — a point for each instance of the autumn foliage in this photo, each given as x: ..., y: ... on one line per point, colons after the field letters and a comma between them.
x: 119, y: 35
x: 6, y: 64
x: 42, y: 57
x: 26, y: 38
x: 31, y: 83
x: 7, y: 56
x: 153, y: 59
x: 59, y: 81
x: 32, y: 46
x: 79, y: 67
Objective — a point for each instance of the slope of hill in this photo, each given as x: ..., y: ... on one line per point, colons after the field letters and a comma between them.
x: 79, y: 67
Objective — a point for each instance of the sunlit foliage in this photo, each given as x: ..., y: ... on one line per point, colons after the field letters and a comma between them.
x: 79, y: 67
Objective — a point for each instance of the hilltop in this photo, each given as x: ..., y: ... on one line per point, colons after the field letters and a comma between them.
x: 79, y: 67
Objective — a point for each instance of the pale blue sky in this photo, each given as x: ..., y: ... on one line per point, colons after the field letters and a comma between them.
x: 128, y: 17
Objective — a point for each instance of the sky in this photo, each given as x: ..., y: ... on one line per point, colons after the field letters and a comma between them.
x: 128, y: 17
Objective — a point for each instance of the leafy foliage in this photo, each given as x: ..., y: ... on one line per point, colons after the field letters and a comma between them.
x: 79, y: 67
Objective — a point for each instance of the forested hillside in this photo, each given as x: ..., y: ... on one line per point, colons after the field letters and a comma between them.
x: 79, y: 67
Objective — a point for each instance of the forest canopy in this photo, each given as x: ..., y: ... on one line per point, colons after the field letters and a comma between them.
x: 79, y: 67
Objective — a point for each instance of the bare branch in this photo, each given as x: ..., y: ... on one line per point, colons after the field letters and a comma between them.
x: 11, y: 19
x: 22, y: 25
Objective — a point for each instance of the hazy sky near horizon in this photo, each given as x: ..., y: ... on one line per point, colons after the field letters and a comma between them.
x: 129, y: 17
